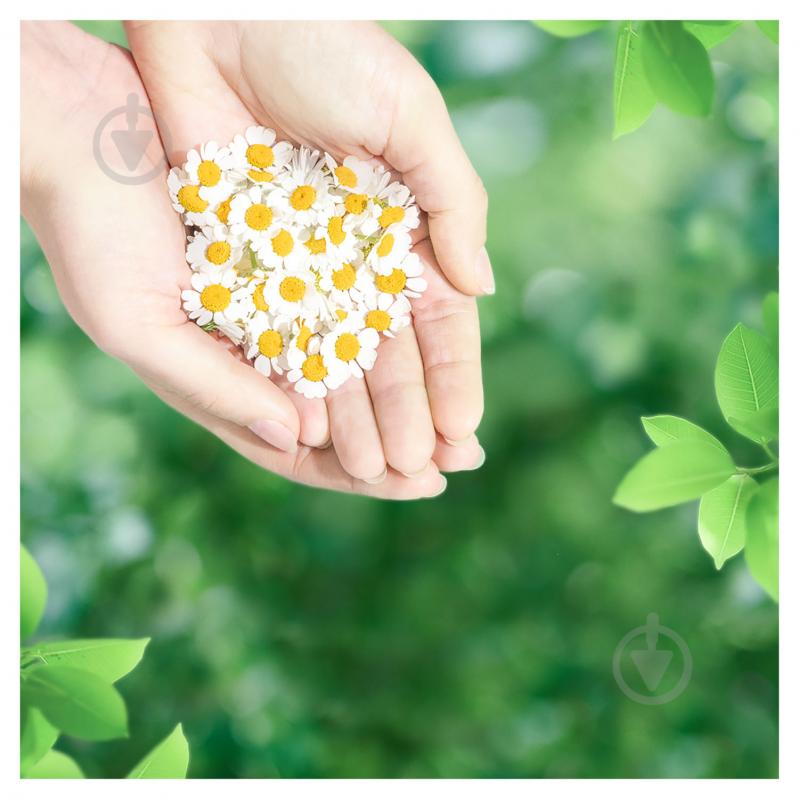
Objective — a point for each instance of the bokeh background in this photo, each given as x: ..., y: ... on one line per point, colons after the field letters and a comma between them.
x: 302, y: 633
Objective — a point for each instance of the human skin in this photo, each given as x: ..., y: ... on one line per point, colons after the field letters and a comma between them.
x: 118, y: 257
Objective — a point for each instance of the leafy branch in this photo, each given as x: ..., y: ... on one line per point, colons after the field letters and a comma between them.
x: 736, y: 512
x: 663, y: 61
x: 67, y: 687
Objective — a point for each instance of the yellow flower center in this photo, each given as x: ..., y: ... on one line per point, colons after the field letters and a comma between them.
x: 258, y: 216
x: 282, y: 244
x: 292, y: 289
x: 316, y: 246
x: 386, y: 245
x: 303, y: 337
x: 344, y: 278
x: 223, y: 211
x: 391, y: 215
x: 335, y: 230
x: 346, y: 177
x: 217, y: 252
x: 208, y: 173
x: 260, y: 177
x: 189, y: 198
x: 356, y: 203
x: 260, y: 156
x: 302, y: 198
x: 270, y: 343
x: 341, y: 314
x: 314, y: 368
x: 215, y: 297
x: 347, y: 347
x: 393, y: 283
x: 258, y: 298
x: 379, y: 320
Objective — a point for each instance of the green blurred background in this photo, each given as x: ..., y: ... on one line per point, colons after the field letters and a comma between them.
x: 302, y: 633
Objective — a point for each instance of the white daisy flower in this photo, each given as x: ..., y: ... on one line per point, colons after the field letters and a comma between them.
x: 305, y: 188
x: 207, y: 169
x: 212, y: 249
x: 283, y: 249
x: 185, y: 196
x: 253, y: 216
x: 250, y: 296
x: 317, y: 256
x: 338, y: 230
x: 389, y: 251
x: 345, y: 284
x: 354, y: 345
x: 256, y: 156
x: 210, y: 299
x: 387, y: 314
x: 293, y: 293
x: 353, y: 175
x: 398, y: 207
x: 404, y: 279
x: 268, y: 343
x: 312, y: 373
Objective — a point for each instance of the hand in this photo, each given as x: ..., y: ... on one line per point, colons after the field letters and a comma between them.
x: 118, y: 257
x: 350, y: 89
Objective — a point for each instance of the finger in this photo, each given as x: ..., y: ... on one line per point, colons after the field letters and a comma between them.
x: 396, y: 385
x: 448, y: 331
x: 464, y: 457
x: 314, y: 423
x: 314, y: 467
x: 185, y: 362
x: 424, y: 147
x: 354, y: 432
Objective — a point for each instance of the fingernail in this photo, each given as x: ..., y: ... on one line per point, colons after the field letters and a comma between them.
x: 373, y: 481
x: 412, y: 475
x: 327, y: 444
x: 485, y: 275
x: 453, y: 443
x: 276, y: 434
x: 443, y: 487
x: 480, y: 460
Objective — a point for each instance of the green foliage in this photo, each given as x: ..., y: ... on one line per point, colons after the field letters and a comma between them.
x: 569, y: 28
x: 762, y: 546
x: 633, y: 100
x: 735, y: 512
x: 747, y: 384
x: 67, y: 688
x: 32, y: 594
x: 660, y: 60
x: 771, y: 27
x: 673, y: 474
x: 168, y: 760
x: 677, y: 67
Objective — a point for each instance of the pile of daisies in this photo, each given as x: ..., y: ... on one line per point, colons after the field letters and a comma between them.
x: 299, y: 260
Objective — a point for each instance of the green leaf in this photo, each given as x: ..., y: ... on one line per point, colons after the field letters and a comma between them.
x: 722, y: 517
x: 711, y: 32
x: 771, y: 318
x: 665, y: 429
x: 633, y: 100
x: 569, y: 28
x: 109, y: 658
x: 673, y: 474
x: 677, y: 68
x: 76, y: 702
x: 747, y: 382
x: 32, y: 594
x: 168, y: 760
x: 36, y: 739
x: 54, y: 766
x: 771, y: 27
x: 762, y: 537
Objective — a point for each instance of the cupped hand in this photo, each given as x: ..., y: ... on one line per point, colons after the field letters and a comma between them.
x: 117, y: 253
x: 350, y: 89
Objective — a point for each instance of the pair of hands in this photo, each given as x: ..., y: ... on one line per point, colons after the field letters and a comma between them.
x: 118, y: 251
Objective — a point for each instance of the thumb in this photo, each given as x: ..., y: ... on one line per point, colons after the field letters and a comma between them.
x: 186, y: 363
x: 423, y: 146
